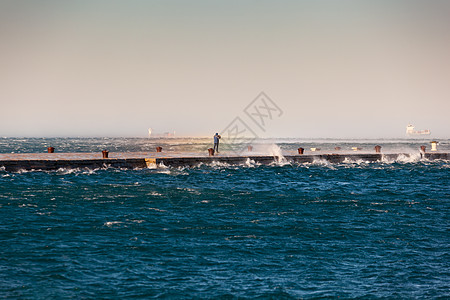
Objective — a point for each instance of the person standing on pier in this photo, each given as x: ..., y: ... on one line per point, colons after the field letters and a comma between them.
x: 216, y: 142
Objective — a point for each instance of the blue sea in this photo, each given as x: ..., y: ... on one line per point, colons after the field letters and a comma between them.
x: 283, y: 231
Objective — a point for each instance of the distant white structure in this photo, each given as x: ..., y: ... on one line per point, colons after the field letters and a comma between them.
x: 410, y: 131
x: 434, y: 146
x: 149, y: 132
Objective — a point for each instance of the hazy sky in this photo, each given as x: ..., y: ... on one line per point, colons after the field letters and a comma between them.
x: 116, y: 68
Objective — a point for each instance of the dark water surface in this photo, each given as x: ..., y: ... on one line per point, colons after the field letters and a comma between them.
x: 284, y: 231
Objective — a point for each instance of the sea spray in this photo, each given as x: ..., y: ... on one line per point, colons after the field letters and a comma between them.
x: 275, y: 151
x: 402, y: 158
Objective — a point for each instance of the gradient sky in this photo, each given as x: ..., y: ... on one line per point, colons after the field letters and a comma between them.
x: 341, y: 69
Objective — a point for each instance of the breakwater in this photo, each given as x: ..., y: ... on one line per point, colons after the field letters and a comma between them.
x: 133, y: 160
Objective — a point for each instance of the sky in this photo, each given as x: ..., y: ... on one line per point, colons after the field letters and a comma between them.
x: 335, y: 69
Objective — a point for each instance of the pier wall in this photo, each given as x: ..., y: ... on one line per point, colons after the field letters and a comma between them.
x: 15, y: 165
x: 47, y: 165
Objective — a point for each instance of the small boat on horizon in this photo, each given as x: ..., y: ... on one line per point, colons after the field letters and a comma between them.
x: 410, y: 131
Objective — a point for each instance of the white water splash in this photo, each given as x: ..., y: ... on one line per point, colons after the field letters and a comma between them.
x: 152, y: 166
x: 358, y: 162
x: 76, y: 171
x: 250, y: 163
x: 403, y: 158
x: 277, y: 153
x: 218, y: 164
x: 321, y: 162
x: 157, y: 166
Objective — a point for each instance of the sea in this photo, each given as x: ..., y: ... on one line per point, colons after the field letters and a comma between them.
x: 356, y: 229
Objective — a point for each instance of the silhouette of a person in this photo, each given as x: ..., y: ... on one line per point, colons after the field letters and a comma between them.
x: 216, y: 142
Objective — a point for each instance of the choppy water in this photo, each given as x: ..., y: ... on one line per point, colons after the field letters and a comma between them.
x: 285, y: 231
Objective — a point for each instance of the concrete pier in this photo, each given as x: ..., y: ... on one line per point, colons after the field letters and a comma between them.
x: 133, y: 160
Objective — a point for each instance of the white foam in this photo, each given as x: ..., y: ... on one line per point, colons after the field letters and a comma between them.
x: 192, y: 191
x: 358, y: 162
x: 219, y: 164
x: 28, y: 205
x: 23, y: 171
x: 112, y: 223
x: 156, y: 209
x: 250, y: 163
x: 154, y: 194
x: 152, y: 166
x: 162, y: 166
x: 321, y: 162
x: 403, y: 158
x: 66, y: 171
x: 251, y: 236
x: 163, y: 171
x: 137, y: 221
x: 44, y: 213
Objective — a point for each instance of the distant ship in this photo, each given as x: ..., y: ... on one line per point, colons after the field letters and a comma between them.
x: 410, y: 131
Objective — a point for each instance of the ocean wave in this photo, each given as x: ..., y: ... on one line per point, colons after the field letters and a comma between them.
x: 357, y: 162
x: 321, y: 162
x: 157, y: 209
x: 219, y: 164
x: 250, y: 163
x: 403, y: 158
x: 76, y: 171
x: 154, y: 194
x: 112, y: 223
x: 318, y: 162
